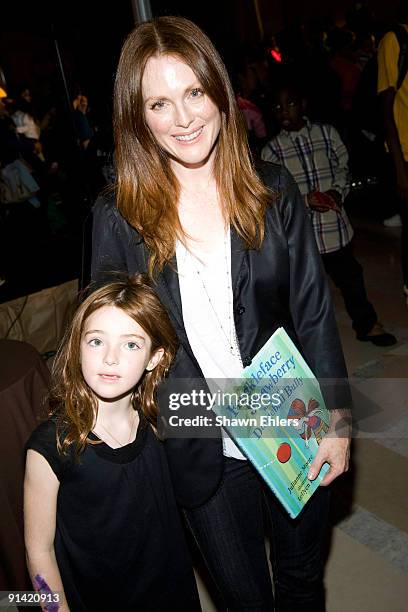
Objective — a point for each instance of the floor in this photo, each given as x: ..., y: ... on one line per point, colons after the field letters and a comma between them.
x: 367, y: 565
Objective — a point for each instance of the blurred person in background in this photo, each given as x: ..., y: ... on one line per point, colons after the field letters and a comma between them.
x: 393, y: 93
x: 317, y: 159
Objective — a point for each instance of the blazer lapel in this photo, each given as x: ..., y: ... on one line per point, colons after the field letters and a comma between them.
x: 237, y: 256
x: 169, y: 290
x: 166, y: 284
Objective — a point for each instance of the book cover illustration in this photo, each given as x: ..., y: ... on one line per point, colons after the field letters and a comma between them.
x: 278, y: 418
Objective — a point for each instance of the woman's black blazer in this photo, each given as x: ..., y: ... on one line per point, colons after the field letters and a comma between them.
x: 282, y: 284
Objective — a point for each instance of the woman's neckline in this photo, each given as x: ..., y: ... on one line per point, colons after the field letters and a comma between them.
x: 203, y: 256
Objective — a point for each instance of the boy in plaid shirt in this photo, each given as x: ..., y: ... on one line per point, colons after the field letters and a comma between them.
x: 317, y: 159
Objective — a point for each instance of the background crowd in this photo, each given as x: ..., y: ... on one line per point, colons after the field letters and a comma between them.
x: 65, y: 157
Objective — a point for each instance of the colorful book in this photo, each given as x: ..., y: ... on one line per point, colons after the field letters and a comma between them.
x: 277, y: 416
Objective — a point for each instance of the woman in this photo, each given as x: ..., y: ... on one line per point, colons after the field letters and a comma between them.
x: 233, y: 258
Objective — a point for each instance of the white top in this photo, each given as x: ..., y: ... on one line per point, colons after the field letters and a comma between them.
x: 208, y: 314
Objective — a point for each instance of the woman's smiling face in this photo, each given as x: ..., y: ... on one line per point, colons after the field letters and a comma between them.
x: 184, y: 121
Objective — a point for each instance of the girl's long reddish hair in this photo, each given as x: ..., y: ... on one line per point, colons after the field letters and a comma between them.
x: 147, y: 190
x: 71, y: 401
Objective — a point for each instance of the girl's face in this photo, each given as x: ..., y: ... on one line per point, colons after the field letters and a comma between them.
x: 182, y: 118
x: 115, y: 352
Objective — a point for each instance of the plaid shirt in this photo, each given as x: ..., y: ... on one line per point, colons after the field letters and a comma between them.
x: 317, y: 159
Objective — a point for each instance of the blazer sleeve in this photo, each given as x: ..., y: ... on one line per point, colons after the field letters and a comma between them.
x: 310, y: 299
x: 108, y: 243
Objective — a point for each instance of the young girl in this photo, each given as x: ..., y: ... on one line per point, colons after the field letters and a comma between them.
x: 101, y: 523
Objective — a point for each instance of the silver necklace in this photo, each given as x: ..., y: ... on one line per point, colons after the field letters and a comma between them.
x: 231, y: 336
x: 130, y: 434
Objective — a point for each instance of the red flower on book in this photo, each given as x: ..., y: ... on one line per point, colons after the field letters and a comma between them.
x: 311, y: 421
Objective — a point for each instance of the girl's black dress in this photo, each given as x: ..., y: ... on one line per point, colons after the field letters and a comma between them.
x: 119, y: 542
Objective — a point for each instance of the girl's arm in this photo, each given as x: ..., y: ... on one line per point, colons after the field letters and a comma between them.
x: 40, y: 506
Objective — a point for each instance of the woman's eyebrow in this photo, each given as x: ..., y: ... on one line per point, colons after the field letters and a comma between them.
x: 188, y: 88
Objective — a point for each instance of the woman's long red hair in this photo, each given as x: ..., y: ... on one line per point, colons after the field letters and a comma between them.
x: 147, y: 190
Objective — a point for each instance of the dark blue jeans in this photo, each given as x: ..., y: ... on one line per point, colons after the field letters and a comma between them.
x: 230, y: 532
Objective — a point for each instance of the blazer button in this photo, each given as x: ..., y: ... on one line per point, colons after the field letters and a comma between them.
x: 246, y: 362
x: 241, y: 310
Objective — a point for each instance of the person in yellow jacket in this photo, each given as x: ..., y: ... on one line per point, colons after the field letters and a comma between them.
x: 393, y: 90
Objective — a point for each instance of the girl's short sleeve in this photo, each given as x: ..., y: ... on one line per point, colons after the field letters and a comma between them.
x: 44, y: 441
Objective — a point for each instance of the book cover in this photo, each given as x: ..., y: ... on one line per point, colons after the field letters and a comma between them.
x: 277, y: 417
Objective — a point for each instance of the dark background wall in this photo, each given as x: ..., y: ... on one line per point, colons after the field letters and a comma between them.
x: 90, y: 34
